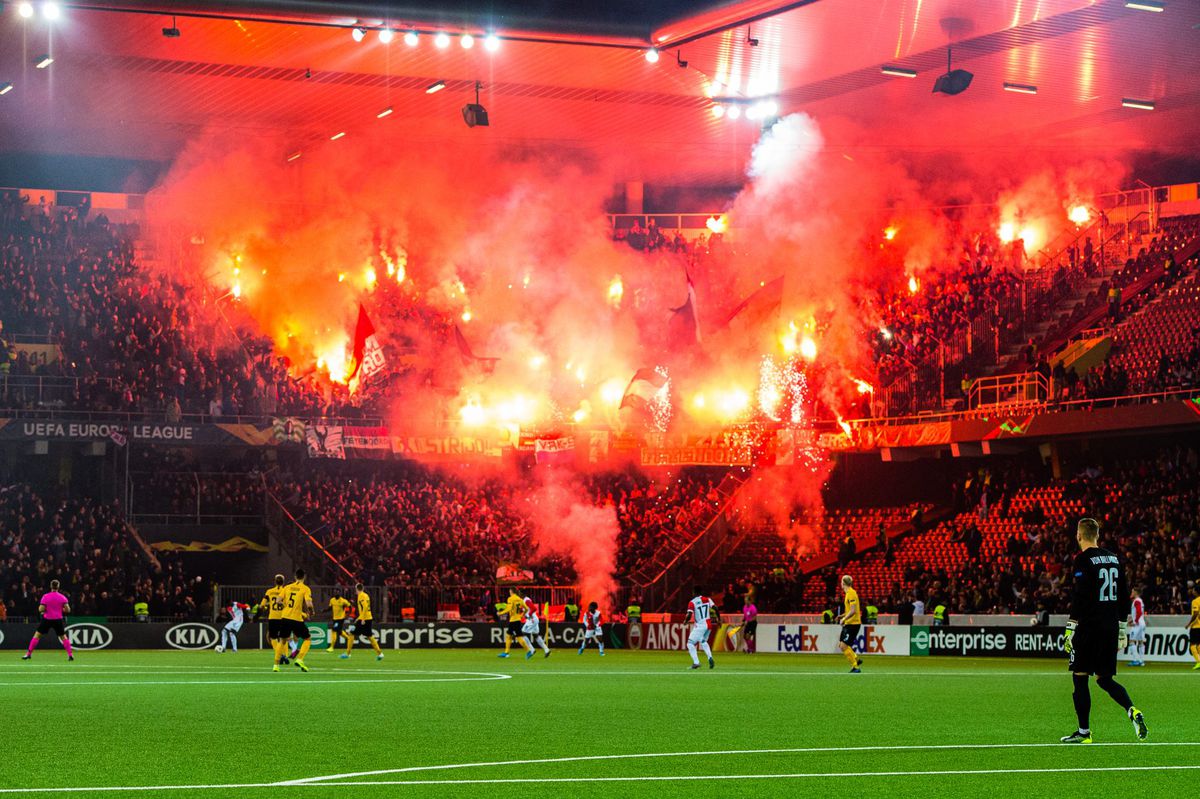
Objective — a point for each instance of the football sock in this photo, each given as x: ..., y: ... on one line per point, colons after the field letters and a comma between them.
x: 375, y: 645
x: 349, y: 643
x: 707, y: 650
x: 692, y: 651
x: 33, y: 642
x: 1196, y: 652
x: 66, y: 642
x: 233, y: 641
x: 1116, y: 691
x: 849, y: 655
x: 304, y: 647
x: 601, y: 645
x: 507, y: 644
x: 1083, y: 701
x: 526, y: 644
x: 277, y: 645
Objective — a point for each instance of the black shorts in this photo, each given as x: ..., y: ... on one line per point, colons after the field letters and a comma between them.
x: 750, y: 628
x: 514, y: 629
x: 849, y: 634
x: 363, y: 628
x: 337, y: 625
x: 292, y: 627
x: 1094, y: 651
x: 275, y: 629
x: 1194, y: 636
x: 46, y: 625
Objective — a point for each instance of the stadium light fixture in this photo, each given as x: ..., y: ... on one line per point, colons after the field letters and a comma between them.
x: 386, y: 35
x: 441, y: 40
x: 412, y: 39
x: 955, y: 81
x: 358, y: 34
x: 387, y: 112
x: 898, y: 72
x: 491, y: 43
x: 734, y: 112
x: 474, y: 114
x: 43, y: 61
x: 435, y: 87
x: 1145, y: 5
x: 5, y: 88
x: 718, y: 111
x: 172, y: 32
x: 338, y: 135
x: 652, y: 55
x: 51, y: 11
x: 1141, y: 105
x: 25, y: 10
x: 1020, y: 88
x: 467, y: 41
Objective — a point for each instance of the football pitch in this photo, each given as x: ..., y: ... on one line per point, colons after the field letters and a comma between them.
x: 449, y: 723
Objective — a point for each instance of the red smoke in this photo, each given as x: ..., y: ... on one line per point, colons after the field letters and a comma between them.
x: 510, y: 243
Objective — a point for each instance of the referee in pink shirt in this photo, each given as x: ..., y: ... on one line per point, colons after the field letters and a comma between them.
x: 53, y: 607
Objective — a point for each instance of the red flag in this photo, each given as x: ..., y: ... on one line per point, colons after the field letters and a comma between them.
x: 368, y: 355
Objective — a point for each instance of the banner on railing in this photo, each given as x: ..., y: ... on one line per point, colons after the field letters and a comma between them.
x: 38, y: 355
x: 713, y: 449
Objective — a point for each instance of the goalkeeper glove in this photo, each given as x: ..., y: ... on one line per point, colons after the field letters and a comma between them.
x: 1122, y: 635
x: 1068, y: 635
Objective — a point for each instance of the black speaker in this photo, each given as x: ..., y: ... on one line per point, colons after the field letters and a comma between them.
x: 475, y: 115
x: 955, y: 81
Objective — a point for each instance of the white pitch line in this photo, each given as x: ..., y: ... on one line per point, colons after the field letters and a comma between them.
x: 798, y: 776
x: 266, y: 680
x: 665, y: 778
x: 661, y: 755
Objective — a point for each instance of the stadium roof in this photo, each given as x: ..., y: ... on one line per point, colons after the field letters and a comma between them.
x: 575, y: 74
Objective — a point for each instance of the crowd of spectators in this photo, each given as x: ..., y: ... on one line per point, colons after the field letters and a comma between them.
x: 86, y: 545
x: 1147, y: 508
x: 405, y: 525
x: 133, y: 340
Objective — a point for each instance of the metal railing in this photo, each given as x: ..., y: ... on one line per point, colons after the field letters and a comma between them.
x: 45, y: 389
x: 159, y: 417
x: 715, y: 540
x: 300, y: 543
x: 995, y: 391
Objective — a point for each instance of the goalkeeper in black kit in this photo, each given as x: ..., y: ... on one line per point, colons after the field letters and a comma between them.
x: 1097, y: 630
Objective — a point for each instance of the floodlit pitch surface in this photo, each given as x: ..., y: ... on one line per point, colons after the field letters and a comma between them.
x: 465, y: 723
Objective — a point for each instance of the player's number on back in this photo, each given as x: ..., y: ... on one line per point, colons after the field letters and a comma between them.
x: 1108, y: 585
x: 291, y: 600
x: 702, y: 613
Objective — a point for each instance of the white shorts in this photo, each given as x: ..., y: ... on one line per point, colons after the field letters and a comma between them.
x: 699, y: 635
x: 233, y: 627
x: 1137, y: 632
x: 530, y: 627
x: 591, y: 634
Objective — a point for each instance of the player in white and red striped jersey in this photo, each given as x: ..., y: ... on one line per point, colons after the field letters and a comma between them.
x: 237, y: 615
x: 533, y: 628
x: 1137, y: 629
x: 592, y: 628
x: 702, y: 613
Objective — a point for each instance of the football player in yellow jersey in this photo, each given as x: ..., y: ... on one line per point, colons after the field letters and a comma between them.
x: 273, y: 601
x: 851, y: 621
x: 338, y: 606
x: 297, y: 606
x: 1194, y: 632
x: 363, y: 625
x: 515, y: 608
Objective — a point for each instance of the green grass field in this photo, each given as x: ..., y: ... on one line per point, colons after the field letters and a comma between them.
x: 464, y: 723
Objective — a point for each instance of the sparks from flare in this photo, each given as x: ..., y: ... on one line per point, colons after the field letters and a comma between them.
x: 1079, y: 214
